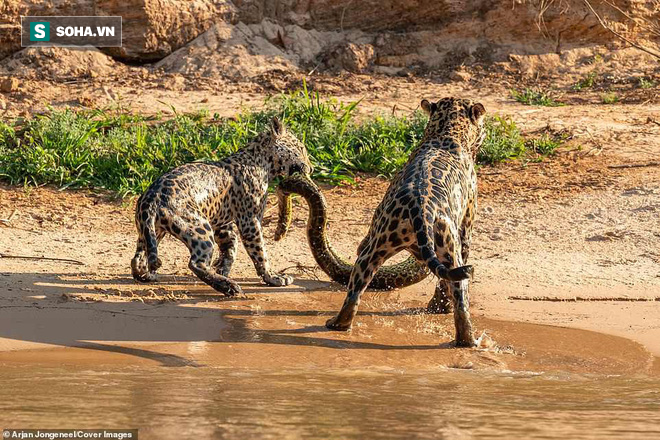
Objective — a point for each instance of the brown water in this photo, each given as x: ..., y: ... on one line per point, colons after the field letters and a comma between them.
x: 173, y: 403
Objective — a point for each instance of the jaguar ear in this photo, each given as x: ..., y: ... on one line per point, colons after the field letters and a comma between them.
x: 428, y: 107
x: 477, y: 113
x: 276, y: 125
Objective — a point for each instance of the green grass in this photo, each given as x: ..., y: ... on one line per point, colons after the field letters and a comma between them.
x: 609, y: 98
x: 596, y: 59
x: 645, y: 83
x: 587, y: 81
x: 124, y: 153
x: 546, y: 144
x: 504, y: 141
x: 535, y: 97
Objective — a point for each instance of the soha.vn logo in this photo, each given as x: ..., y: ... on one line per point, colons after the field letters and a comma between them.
x: 40, y: 31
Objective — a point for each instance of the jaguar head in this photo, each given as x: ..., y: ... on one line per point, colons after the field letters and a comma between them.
x: 459, y: 120
x: 288, y: 153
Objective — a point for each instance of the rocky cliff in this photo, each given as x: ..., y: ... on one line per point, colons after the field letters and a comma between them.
x: 208, y: 37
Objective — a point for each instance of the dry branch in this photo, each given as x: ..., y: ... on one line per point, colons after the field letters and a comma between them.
x: 635, y: 165
x: 620, y: 36
x: 650, y: 26
x: 25, y: 257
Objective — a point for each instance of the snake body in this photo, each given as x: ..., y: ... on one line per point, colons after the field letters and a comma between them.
x: 405, y: 273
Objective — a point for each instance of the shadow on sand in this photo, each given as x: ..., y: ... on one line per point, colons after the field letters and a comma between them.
x: 37, y: 308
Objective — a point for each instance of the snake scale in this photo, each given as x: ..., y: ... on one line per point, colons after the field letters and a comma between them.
x: 405, y: 273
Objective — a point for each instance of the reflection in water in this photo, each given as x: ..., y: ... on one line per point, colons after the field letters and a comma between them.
x: 205, y: 402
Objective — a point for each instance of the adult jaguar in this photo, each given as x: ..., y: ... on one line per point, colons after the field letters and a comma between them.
x: 200, y: 203
x: 428, y: 210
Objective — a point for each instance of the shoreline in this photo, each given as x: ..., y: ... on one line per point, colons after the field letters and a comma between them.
x: 545, y: 231
x: 285, y: 330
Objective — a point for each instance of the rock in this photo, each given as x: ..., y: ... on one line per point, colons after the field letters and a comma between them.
x: 304, y: 46
x: 272, y: 31
x: 174, y: 82
x: 153, y: 29
x: 388, y: 70
x: 281, y: 11
x: 426, y: 32
x: 244, y: 51
x: 346, y: 14
x: 287, y: 33
x: 3, y: 104
x: 378, y: 15
x: 236, y: 52
x: 11, y: 11
x: 460, y: 75
x: 9, y: 85
x: 356, y: 58
x: 10, y: 39
x: 58, y: 63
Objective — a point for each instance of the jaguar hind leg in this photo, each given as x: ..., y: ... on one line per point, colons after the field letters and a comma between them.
x: 448, y: 249
x: 140, y: 268
x: 227, y: 241
x: 441, y: 303
x: 196, y: 233
x: 460, y: 299
x: 370, y: 260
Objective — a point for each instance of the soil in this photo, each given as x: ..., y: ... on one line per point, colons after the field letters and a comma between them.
x: 563, y: 248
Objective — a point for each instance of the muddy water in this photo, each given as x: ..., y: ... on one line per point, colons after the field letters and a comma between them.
x: 241, y: 403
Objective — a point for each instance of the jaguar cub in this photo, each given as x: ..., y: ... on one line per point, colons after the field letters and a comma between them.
x: 200, y: 203
x: 428, y: 210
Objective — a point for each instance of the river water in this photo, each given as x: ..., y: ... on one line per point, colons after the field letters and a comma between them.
x: 189, y: 402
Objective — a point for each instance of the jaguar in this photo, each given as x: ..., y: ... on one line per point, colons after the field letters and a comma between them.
x: 202, y: 203
x: 429, y: 210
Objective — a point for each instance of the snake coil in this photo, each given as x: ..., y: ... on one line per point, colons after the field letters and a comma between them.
x: 405, y: 273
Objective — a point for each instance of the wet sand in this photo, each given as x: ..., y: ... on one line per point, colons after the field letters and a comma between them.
x: 283, y: 328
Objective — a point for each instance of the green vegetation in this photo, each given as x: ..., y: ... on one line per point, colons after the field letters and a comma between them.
x: 547, y: 144
x: 535, y: 97
x: 504, y: 141
x: 609, y: 98
x: 586, y: 82
x: 645, y: 83
x: 598, y: 58
x: 124, y: 152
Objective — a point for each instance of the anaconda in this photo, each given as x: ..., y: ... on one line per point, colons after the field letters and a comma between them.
x: 405, y: 273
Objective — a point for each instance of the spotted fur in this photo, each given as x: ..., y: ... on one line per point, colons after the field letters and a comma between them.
x: 394, y: 276
x: 428, y: 210
x: 203, y: 203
